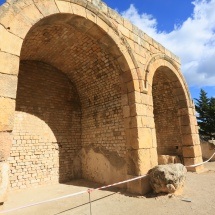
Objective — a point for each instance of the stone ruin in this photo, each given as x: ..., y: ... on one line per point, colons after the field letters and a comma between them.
x: 86, y: 94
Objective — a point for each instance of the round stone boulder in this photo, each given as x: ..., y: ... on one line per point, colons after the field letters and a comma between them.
x: 169, y: 178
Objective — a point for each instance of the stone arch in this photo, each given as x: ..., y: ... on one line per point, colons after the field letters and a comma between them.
x: 122, y: 48
x: 18, y: 18
x: 174, y: 113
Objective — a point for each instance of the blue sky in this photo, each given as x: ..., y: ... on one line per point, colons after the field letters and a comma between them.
x: 167, y: 12
x: 185, y: 27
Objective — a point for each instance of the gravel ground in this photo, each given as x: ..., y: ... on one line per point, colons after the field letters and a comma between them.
x: 198, y: 198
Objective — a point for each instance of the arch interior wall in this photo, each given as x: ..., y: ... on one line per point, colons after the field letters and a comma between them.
x: 79, y: 103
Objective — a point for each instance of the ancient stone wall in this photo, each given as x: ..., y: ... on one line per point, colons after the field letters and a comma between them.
x: 111, y: 64
x: 47, y: 127
x: 167, y: 122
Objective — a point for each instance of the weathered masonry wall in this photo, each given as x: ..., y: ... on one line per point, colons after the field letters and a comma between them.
x: 167, y: 122
x: 47, y: 127
x: 99, y: 77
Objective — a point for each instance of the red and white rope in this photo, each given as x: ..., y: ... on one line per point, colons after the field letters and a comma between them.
x: 90, y: 190
x: 71, y: 195
x: 199, y: 164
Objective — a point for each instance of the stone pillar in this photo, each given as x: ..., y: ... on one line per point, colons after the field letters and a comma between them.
x: 141, y: 140
x: 192, y: 153
x: 8, y: 86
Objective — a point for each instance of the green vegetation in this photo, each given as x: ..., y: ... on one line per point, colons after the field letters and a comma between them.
x: 206, y: 115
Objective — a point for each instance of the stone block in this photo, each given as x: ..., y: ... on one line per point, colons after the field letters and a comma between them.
x: 192, y: 151
x: 8, y: 85
x: 197, y: 169
x: 126, y: 111
x: 91, y: 16
x: 46, y: 7
x: 14, y: 21
x: 186, y: 111
x: 154, y: 157
x: 154, y: 138
x: 138, y: 161
x: 64, y: 6
x: 5, y: 145
x: 7, y: 110
x: 96, y: 32
x: 190, y: 139
x: 189, y: 129
x: 145, y: 138
x: 4, y: 181
x: 147, y: 122
x: 81, y: 24
x: 107, y: 42
x: 13, y: 44
x: 191, y: 161
x: 80, y: 2
x: 139, y: 138
x: 29, y: 11
x: 127, y: 76
x: 103, y: 7
x: 127, y: 24
x: 125, y: 62
x: 79, y: 10
x: 139, y: 110
x: 116, y: 48
x: 124, y: 31
x: 133, y: 85
x: 9, y: 64
x: 115, y: 16
x: 140, y: 186
x: 19, y: 26
x: 124, y: 99
x: 141, y: 122
x: 144, y: 161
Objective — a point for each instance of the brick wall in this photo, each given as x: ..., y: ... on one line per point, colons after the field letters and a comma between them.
x: 47, y: 131
x: 52, y: 124
x: 166, y: 108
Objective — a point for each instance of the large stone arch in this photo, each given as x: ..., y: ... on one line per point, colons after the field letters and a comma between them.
x: 20, y: 18
x: 173, y: 111
x: 118, y: 47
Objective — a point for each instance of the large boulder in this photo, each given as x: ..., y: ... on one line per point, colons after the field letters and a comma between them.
x: 168, y: 178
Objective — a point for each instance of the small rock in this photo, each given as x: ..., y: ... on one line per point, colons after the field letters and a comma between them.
x: 186, y: 200
x: 168, y: 178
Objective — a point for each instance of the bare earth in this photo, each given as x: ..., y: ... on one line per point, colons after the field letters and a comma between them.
x: 199, y: 191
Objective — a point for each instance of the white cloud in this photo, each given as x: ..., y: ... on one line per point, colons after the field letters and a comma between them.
x: 193, y: 41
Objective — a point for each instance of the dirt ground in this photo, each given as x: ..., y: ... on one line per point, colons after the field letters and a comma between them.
x: 198, y: 198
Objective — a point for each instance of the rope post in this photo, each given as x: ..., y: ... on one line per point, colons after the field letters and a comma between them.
x: 89, y: 191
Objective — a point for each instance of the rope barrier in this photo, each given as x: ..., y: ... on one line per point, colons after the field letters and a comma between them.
x: 43, y: 202
x: 71, y: 195
x: 118, y: 183
x: 199, y: 164
x: 90, y: 190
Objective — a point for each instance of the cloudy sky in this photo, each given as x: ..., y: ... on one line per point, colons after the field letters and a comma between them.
x: 185, y: 27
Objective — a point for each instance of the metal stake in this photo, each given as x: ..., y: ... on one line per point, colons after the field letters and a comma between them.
x: 90, y: 202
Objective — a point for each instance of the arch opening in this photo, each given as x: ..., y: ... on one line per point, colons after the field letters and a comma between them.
x: 69, y: 118
x: 169, y: 101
